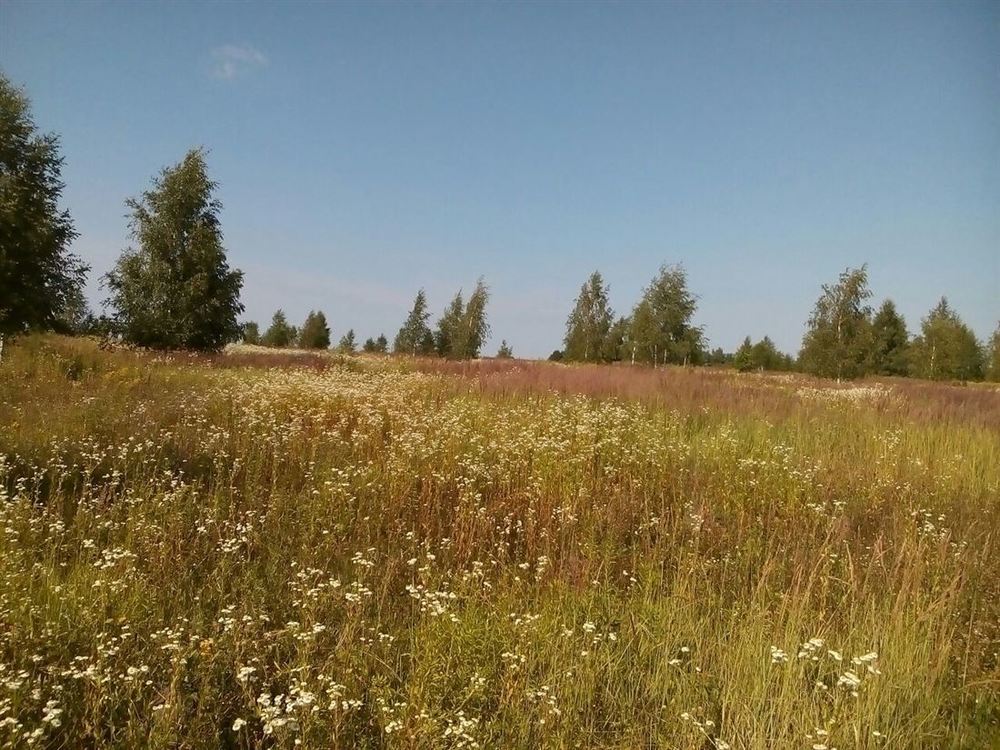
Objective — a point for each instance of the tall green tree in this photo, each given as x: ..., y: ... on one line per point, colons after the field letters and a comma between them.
x: 765, y: 356
x: 743, y: 357
x: 890, y: 352
x: 347, y: 344
x: 415, y: 335
x: 505, y: 352
x: 176, y: 290
x: 589, y: 322
x: 993, y: 357
x: 838, y: 341
x: 279, y: 333
x: 946, y: 348
x: 463, y: 328
x: 39, y: 277
x: 315, y: 333
x: 474, y: 328
x: 645, y: 342
x: 661, y: 331
x: 448, y: 326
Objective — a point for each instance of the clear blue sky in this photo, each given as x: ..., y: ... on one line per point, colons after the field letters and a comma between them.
x: 365, y: 150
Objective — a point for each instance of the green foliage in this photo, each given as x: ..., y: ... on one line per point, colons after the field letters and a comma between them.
x: 762, y: 356
x: 946, y: 348
x: 644, y: 334
x: 176, y: 289
x: 462, y: 327
x: 718, y: 357
x: 743, y: 358
x: 347, y: 344
x: 376, y: 346
x: 589, y: 323
x: 279, y: 334
x: 94, y: 325
x: 415, y: 336
x: 767, y: 357
x: 474, y: 329
x: 40, y: 280
x: 838, y: 342
x: 76, y: 316
x: 250, y: 332
x: 556, y: 356
x: 614, y: 344
x: 661, y: 330
x: 505, y: 352
x: 448, y: 327
x: 993, y: 357
x: 315, y: 333
x: 890, y: 353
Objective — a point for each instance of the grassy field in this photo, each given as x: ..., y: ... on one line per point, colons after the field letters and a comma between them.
x: 264, y: 550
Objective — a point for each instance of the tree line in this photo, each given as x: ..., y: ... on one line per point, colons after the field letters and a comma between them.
x: 174, y: 289
x: 459, y: 333
x: 847, y: 339
x: 844, y: 337
x: 658, y: 330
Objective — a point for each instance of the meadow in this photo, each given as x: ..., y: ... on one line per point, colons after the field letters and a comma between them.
x: 277, y: 550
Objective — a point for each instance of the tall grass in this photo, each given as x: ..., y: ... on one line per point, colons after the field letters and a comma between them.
x: 361, y: 553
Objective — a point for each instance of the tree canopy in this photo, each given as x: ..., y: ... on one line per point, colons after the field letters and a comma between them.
x: 448, y: 325
x: 993, y: 356
x: 175, y: 289
x: 415, y: 336
x: 315, y: 333
x: 589, y: 323
x: 946, y: 348
x: 279, y: 334
x: 348, y: 344
x: 890, y: 350
x: 40, y: 279
x: 379, y: 345
x: 660, y: 331
x: 762, y: 356
x: 474, y: 329
x: 837, y: 343
x: 462, y: 327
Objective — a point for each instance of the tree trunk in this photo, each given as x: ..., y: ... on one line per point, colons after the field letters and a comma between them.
x: 1, y: 347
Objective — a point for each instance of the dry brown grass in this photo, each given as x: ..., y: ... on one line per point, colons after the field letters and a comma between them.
x: 689, y: 389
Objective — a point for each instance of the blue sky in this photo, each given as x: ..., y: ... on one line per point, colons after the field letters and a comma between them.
x: 365, y: 150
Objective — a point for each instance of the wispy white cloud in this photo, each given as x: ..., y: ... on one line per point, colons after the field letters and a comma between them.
x: 232, y: 60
